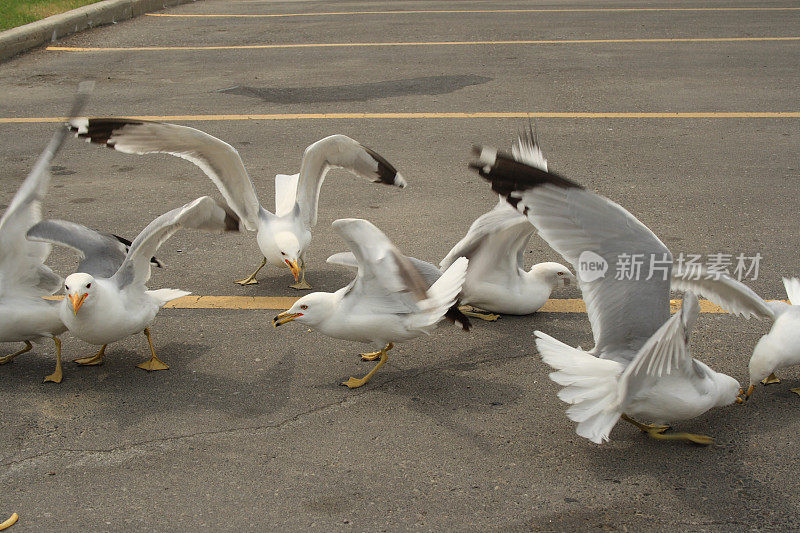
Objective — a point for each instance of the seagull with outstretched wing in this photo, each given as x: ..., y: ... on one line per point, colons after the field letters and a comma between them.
x: 283, y: 236
x: 389, y: 300
x: 640, y: 365
x: 104, y: 302
x: 24, y: 278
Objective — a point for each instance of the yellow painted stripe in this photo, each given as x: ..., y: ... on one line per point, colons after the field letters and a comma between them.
x: 559, y: 305
x: 467, y: 11
x: 342, y: 116
x: 430, y: 43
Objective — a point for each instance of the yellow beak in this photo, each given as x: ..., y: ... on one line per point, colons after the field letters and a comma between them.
x: 284, y: 317
x: 294, y: 268
x: 77, y: 301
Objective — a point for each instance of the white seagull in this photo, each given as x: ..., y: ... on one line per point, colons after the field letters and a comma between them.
x: 777, y: 349
x: 640, y: 364
x: 496, y: 279
x: 104, y: 303
x: 389, y: 300
x: 282, y: 237
x: 24, y: 278
x: 495, y: 246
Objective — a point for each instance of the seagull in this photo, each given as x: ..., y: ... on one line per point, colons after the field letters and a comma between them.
x: 284, y: 236
x: 389, y: 300
x: 777, y: 349
x: 496, y: 278
x: 495, y: 244
x: 25, y: 315
x: 640, y: 365
x: 105, y: 303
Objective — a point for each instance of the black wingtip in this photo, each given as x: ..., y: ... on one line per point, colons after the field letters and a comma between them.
x: 458, y: 318
x: 156, y: 262
x: 507, y: 175
x: 387, y: 174
x: 100, y: 130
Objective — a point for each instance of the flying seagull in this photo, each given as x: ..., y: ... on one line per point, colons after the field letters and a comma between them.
x: 640, y: 365
x: 104, y: 303
x: 389, y: 300
x: 282, y: 237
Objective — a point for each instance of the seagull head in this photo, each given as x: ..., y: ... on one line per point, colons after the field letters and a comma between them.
x: 728, y: 389
x: 79, y: 287
x: 311, y: 309
x: 554, y: 274
x: 762, y: 363
x: 289, y: 249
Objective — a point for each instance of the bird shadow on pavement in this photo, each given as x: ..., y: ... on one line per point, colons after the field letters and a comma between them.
x: 118, y: 398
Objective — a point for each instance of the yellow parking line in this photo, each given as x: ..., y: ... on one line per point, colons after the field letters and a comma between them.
x: 342, y: 116
x: 450, y: 11
x: 559, y: 305
x: 431, y: 43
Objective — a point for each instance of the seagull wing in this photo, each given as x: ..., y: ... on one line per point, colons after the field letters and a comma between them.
x: 428, y: 271
x: 22, y: 261
x: 666, y: 352
x: 201, y: 214
x: 792, y: 286
x: 387, y: 281
x: 338, y: 151
x: 728, y: 293
x: 494, y: 243
x: 623, y: 313
x: 101, y: 255
x: 219, y: 160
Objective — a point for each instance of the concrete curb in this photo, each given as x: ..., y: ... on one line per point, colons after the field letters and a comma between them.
x: 22, y: 38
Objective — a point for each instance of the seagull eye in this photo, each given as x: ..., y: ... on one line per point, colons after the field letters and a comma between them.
x: 303, y: 307
x: 282, y: 253
x: 560, y: 273
x: 88, y: 285
x: 66, y: 287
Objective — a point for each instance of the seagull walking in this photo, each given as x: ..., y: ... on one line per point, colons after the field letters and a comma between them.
x: 105, y: 303
x: 640, y: 365
x: 389, y: 300
x: 284, y: 236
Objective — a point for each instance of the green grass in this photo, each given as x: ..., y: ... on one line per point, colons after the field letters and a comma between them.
x: 15, y: 13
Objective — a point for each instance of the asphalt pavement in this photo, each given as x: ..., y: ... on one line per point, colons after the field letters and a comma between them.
x: 250, y: 429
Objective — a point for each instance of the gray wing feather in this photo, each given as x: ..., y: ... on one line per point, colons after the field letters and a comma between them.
x: 216, y: 158
x: 386, y: 279
x: 428, y: 271
x: 202, y: 214
x: 21, y: 261
x: 624, y: 312
x: 100, y: 254
x: 338, y: 151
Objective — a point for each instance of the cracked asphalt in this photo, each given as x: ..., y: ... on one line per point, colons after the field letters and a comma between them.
x: 249, y: 429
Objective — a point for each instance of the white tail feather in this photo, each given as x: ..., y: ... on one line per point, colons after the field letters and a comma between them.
x: 792, y: 290
x: 285, y: 193
x: 443, y: 293
x: 166, y: 295
x: 590, y: 386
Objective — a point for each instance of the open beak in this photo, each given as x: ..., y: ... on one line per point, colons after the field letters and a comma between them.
x: 744, y: 396
x: 284, y: 317
x: 77, y: 301
x: 294, y: 268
